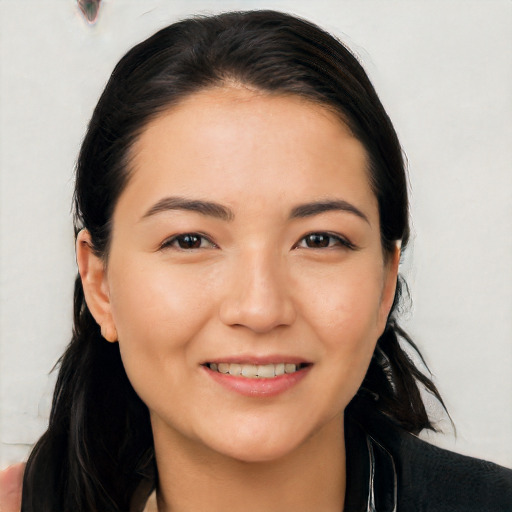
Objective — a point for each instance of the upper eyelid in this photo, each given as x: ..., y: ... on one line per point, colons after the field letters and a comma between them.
x: 337, y: 236
x: 171, y: 239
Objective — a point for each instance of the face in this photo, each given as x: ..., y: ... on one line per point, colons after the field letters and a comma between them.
x: 246, y: 241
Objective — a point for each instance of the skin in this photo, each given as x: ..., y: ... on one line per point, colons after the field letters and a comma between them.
x: 10, y: 488
x: 256, y: 285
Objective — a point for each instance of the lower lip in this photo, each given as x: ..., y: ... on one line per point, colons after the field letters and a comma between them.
x: 258, y: 387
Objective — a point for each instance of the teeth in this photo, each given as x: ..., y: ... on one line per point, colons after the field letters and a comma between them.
x: 266, y: 371
x: 289, y: 368
x: 235, y: 369
x: 223, y: 367
x: 262, y: 371
x: 249, y: 370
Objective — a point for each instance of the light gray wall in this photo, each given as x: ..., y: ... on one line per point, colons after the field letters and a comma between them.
x: 443, y: 70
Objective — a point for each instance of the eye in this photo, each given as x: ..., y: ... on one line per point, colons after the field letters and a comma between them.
x: 323, y: 241
x: 188, y: 241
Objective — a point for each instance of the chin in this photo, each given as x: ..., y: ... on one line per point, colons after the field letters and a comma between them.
x: 258, y: 443
x: 257, y: 452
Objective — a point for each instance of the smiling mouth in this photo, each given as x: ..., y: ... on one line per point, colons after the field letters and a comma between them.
x: 256, y: 371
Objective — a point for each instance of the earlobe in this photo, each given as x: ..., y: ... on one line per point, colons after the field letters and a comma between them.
x: 93, y: 274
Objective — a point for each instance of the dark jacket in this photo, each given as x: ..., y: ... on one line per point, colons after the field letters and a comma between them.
x: 389, y: 469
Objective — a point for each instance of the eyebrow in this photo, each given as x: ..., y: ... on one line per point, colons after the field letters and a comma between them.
x: 219, y: 211
x: 317, y: 207
x: 208, y: 208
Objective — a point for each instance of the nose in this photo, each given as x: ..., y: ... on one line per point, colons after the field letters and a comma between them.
x: 258, y: 296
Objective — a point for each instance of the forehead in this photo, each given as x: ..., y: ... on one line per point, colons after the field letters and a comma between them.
x: 235, y: 143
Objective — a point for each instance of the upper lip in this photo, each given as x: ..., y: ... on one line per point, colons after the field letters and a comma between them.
x: 257, y: 360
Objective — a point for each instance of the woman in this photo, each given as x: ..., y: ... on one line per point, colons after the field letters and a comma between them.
x: 241, y: 206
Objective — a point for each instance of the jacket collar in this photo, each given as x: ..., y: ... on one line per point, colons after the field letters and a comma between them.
x: 371, y: 472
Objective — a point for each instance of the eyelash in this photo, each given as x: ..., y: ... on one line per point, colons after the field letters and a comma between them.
x: 170, y: 242
x: 181, y: 238
x: 338, y: 241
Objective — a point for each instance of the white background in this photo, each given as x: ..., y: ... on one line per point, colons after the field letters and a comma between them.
x: 443, y: 70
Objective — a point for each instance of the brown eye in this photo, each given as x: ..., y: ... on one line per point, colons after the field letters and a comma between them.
x: 324, y: 241
x: 317, y: 240
x: 188, y: 241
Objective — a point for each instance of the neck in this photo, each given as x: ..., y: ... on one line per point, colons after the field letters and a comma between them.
x: 311, y: 478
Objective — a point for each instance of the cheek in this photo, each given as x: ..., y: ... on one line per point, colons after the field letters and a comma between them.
x: 344, y: 313
x: 344, y: 301
x: 157, y: 313
x: 156, y: 302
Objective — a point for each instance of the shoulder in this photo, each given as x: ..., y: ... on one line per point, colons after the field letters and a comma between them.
x: 433, y: 479
x: 11, y: 480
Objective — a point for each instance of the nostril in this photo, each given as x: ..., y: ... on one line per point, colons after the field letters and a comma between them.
x: 260, y: 315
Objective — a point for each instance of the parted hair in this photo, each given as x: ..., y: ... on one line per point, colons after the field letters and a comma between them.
x: 98, y: 448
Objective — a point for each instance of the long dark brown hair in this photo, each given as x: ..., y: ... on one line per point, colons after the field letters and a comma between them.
x: 98, y: 447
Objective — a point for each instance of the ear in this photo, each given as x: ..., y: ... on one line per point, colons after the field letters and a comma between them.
x: 93, y: 273
x: 389, y: 284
